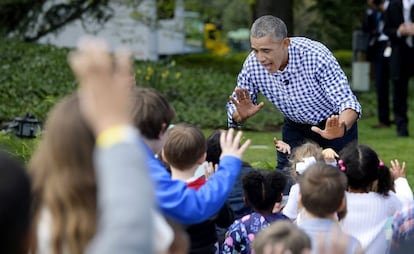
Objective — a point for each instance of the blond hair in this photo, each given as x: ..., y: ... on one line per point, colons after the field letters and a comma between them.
x: 308, y: 149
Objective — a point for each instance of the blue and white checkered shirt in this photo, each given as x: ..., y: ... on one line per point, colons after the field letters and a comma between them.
x: 311, y: 88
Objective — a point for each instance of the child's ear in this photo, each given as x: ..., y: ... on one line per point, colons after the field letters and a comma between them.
x: 163, y: 156
x: 163, y: 130
x: 300, y: 205
x: 202, y: 158
x: 280, y: 198
x: 246, y: 201
x: 342, y: 207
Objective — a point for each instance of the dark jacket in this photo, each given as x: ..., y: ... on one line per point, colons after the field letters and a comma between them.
x: 402, y: 55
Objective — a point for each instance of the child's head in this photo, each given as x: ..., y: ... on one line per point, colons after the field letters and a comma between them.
x: 262, y: 188
x: 281, y: 233
x: 322, y: 189
x: 63, y: 175
x: 15, y: 202
x: 152, y: 113
x: 185, y: 146
x: 213, y: 147
x: 363, y: 169
x: 302, y: 155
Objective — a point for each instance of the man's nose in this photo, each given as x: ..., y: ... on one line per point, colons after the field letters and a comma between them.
x: 260, y: 56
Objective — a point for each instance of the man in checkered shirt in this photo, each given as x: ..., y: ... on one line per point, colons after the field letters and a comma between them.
x: 302, y: 79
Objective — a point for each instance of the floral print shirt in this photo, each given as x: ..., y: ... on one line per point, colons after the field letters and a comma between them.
x: 241, y: 233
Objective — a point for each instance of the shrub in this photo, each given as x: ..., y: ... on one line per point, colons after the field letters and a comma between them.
x: 32, y: 78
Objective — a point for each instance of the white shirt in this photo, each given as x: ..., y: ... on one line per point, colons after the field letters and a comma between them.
x: 366, y: 218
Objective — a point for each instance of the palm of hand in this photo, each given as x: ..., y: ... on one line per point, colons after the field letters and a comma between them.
x: 244, y: 104
x: 332, y: 132
x: 246, y: 108
x: 333, y: 128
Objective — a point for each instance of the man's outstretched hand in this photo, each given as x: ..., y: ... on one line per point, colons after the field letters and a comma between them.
x: 104, y: 84
x: 333, y: 128
x: 244, y: 105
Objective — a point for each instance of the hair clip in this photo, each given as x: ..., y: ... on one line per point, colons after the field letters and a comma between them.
x: 302, y: 166
x: 381, y: 164
x: 341, y: 165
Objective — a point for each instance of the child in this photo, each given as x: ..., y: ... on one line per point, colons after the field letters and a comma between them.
x: 261, y: 189
x: 152, y: 114
x: 302, y: 157
x: 322, y: 194
x: 64, y: 184
x: 368, y: 210
x: 235, y: 198
x: 15, y: 205
x: 184, y: 150
x: 284, y: 235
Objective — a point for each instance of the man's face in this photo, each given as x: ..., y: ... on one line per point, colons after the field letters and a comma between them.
x: 271, y: 54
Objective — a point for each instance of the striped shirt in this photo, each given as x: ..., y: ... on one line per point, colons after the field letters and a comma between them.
x: 311, y: 88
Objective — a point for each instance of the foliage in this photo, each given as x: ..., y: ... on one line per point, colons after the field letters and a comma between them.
x: 32, y: 78
x: 30, y: 20
x: 334, y: 25
x: 344, y: 57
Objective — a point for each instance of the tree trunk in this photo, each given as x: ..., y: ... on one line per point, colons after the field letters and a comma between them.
x: 282, y: 9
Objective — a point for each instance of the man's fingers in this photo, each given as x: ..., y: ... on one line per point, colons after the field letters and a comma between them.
x: 316, y: 130
x: 233, y: 100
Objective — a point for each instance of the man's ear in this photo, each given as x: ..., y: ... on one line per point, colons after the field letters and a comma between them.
x: 286, y: 42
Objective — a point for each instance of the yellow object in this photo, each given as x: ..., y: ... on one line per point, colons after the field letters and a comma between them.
x: 116, y: 134
x: 213, y: 40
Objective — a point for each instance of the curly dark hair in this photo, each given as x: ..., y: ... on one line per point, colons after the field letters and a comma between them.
x: 263, y: 188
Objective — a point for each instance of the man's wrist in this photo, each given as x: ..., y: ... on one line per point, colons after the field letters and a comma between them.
x: 237, y: 118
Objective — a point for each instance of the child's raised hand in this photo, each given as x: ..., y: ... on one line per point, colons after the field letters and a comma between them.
x: 281, y: 146
x: 329, y: 154
x: 104, y: 84
x: 230, y: 144
x: 397, y: 170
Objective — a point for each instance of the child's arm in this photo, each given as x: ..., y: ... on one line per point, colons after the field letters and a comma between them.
x: 402, y: 188
x: 281, y: 146
x: 121, y: 173
x: 209, y: 170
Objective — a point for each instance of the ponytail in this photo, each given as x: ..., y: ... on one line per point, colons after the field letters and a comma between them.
x: 385, y: 183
